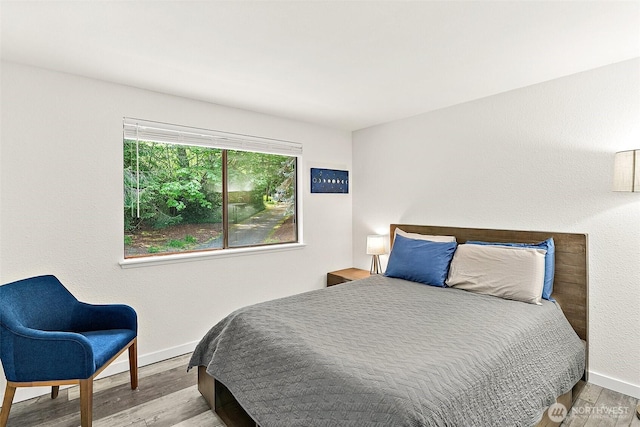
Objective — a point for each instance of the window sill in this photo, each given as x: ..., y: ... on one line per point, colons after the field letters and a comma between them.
x: 199, y: 256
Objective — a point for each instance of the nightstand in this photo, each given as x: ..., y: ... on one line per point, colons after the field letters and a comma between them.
x: 346, y: 275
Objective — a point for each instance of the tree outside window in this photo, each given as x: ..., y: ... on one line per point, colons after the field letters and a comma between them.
x: 182, y: 198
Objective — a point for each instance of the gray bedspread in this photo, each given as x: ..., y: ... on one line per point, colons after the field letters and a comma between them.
x: 388, y: 352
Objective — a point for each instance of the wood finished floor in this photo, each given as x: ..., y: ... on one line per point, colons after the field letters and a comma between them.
x: 168, y: 397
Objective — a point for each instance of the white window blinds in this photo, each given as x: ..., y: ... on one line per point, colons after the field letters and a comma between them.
x: 144, y: 130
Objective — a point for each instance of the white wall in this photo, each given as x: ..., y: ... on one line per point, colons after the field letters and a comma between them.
x: 61, y: 203
x: 537, y: 158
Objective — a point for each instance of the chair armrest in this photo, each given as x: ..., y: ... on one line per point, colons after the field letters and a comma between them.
x: 35, y: 355
x: 91, y: 317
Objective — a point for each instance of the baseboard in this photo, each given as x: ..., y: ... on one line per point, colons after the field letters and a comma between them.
x: 120, y: 365
x: 614, y: 384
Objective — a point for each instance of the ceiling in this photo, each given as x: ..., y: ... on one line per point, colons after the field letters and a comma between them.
x: 347, y: 65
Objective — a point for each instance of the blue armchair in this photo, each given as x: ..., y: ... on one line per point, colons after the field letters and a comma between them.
x: 49, y: 338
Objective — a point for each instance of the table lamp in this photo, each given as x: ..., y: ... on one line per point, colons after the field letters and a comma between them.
x: 375, y: 247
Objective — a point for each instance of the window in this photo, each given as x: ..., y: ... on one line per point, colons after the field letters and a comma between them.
x: 191, y: 190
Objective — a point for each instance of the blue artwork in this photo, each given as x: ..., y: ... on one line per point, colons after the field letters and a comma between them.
x: 329, y: 181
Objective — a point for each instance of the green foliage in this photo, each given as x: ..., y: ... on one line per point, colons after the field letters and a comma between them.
x: 166, y: 184
x: 195, y: 213
x: 264, y: 176
x: 179, y: 244
x: 179, y: 193
x: 172, y: 244
x: 163, y: 220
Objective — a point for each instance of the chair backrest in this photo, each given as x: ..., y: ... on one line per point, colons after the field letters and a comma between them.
x: 38, y: 303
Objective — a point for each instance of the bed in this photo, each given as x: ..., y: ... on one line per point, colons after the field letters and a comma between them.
x: 388, y: 351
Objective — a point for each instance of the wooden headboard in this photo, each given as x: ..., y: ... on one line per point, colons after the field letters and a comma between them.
x: 571, y: 280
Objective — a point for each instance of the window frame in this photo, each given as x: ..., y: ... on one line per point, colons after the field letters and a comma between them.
x: 224, y: 141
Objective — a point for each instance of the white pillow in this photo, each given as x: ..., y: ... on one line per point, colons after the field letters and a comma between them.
x: 430, y: 238
x: 507, y: 272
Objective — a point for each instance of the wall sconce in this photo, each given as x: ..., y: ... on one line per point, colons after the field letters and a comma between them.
x: 375, y: 247
x: 626, y: 171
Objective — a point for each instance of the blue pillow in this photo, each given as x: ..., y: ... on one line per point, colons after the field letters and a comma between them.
x: 549, y: 260
x: 420, y: 260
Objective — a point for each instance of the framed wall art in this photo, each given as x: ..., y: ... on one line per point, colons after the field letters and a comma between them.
x: 329, y: 181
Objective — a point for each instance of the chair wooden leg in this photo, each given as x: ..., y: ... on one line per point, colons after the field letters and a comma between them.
x: 54, y: 391
x: 86, y: 402
x: 133, y: 364
x: 9, y: 392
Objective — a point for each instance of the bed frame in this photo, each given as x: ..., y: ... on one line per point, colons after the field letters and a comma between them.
x: 570, y: 290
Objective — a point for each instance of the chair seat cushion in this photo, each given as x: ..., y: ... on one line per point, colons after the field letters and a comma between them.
x: 108, y: 343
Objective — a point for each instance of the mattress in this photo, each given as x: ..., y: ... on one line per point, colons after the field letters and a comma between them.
x: 383, y: 351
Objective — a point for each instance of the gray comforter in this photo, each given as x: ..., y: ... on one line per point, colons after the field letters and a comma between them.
x: 388, y: 352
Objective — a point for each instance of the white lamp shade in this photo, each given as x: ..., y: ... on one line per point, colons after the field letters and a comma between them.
x: 626, y: 171
x: 376, y: 245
